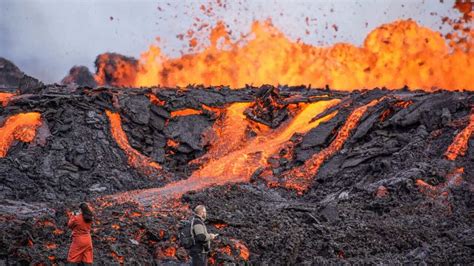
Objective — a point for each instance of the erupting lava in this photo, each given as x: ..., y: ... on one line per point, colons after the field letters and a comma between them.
x: 459, y: 145
x: 135, y: 159
x: 21, y: 127
x: 237, y: 159
x: 300, y: 178
x: 393, y: 55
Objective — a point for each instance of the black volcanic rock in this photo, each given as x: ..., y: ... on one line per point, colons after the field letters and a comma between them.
x: 80, y: 76
x: 12, y: 78
x: 342, y: 218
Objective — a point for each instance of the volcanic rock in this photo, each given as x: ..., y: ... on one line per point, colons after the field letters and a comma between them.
x: 81, y: 76
x: 365, y: 204
x: 12, y: 78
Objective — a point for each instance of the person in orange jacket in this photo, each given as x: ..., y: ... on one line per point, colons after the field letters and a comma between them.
x: 81, y: 246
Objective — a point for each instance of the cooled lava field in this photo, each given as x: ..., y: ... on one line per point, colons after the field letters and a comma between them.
x: 290, y: 175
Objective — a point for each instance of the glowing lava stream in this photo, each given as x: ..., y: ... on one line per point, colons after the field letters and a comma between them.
x: 300, y: 178
x: 459, y: 144
x: 21, y: 127
x: 238, y: 160
x: 135, y: 159
x: 5, y: 98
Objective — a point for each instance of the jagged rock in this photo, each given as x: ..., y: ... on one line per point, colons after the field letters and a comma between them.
x: 11, y: 78
x: 81, y: 76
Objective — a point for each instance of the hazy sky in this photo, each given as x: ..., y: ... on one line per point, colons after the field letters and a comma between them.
x: 45, y: 38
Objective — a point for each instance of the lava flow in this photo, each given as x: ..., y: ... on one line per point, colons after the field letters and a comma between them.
x: 453, y: 179
x: 5, y: 98
x: 459, y: 145
x: 238, y: 160
x: 300, y: 178
x: 135, y: 159
x: 21, y: 127
x: 393, y: 55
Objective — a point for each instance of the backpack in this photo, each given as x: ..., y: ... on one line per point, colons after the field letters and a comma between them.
x: 186, y: 235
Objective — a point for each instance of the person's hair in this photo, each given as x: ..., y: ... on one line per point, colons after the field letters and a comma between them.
x: 86, y: 212
x: 199, y: 209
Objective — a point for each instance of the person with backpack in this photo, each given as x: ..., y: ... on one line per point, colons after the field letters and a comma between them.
x: 195, y: 238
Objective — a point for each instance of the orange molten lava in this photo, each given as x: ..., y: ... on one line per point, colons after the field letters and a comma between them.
x: 118, y: 258
x: 393, y: 55
x: 5, y: 98
x: 155, y: 100
x: 169, y: 252
x: 300, y: 178
x: 135, y: 159
x: 186, y: 112
x: 51, y: 246
x: 58, y: 231
x: 453, y: 179
x: 234, y: 157
x: 403, y: 104
x: 226, y: 249
x: 243, y: 250
x: 21, y: 127
x: 459, y: 144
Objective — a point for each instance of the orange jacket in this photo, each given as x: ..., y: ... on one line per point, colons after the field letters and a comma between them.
x: 81, y: 246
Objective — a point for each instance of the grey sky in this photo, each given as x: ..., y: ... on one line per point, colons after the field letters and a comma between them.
x: 45, y: 38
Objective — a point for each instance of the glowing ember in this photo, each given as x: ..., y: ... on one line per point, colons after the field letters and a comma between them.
x: 135, y: 214
x: 110, y: 239
x: 300, y: 178
x: 453, y: 179
x: 393, y: 55
x: 460, y: 142
x: 403, y: 104
x: 238, y: 158
x: 186, y: 112
x: 20, y: 127
x: 155, y: 100
x: 169, y: 252
x: 226, y: 250
x: 118, y: 258
x: 58, y: 231
x: 115, y: 226
x: 51, y: 246
x: 172, y: 143
x: 220, y: 225
x: 243, y: 250
x: 45, y: 223
x: 135, y: 159
x: 5, y: 98
x: 385, y: 114
x: 382, y: 192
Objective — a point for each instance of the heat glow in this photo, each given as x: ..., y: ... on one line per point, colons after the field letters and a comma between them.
x: 393, y: 55
x: 20, y: 127
x: 238, y: 156
x: 135, y: 158
x: 301, y: 178
x: 460, y: 142
x: 5, y: 98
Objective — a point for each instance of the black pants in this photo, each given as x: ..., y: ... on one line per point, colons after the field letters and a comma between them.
x: 198, y: 259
